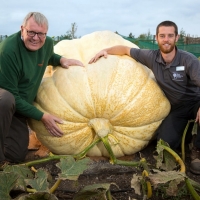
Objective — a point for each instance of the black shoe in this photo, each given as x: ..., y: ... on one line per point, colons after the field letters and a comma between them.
x: 195, y: 161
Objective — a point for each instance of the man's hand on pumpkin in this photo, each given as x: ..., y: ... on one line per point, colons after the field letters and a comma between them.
x: 197, y: 120
x: 65, y: 63
x: 102, y: 53
x: 49, y: 122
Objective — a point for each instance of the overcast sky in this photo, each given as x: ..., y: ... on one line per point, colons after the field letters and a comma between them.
x: 123, y: 16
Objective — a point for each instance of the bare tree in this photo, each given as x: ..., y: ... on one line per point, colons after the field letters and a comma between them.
x: 131, y: 35
x: 182, y: 33
x: 71, y: 33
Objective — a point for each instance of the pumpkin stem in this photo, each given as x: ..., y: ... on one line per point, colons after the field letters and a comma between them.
x: 101, y: 126
x: 83, y: 153
x: 109, y: 149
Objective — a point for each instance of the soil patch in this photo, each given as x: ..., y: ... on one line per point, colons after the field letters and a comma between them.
x: 101, y: 171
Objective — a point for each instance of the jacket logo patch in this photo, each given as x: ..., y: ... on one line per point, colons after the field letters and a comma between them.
x: 177, y: 76
x: 40, y: 65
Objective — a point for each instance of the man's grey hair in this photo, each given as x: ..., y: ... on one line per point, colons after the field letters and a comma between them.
x: 39, y: 18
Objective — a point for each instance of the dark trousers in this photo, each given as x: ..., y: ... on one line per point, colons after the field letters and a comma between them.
x: 14, y: 133
x: 172, y: 127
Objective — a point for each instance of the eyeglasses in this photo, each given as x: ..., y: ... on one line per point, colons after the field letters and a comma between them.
x: 33, y: 33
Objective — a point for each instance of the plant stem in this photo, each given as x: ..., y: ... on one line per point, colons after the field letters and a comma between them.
x: 55, y: 186
x: 30, y: 190
x: 43, y: 160
x: 148, y: 184
x: 187, y: 181
x: 195, y: 184
x: 109, y: 149
x: 83, y: 153
x: 127, y: 163
x: 183, y: 140
x: 101, y: 126
x: 144, y: 165
x: 191, y: 189
x: 149, y: 189
x: 176, y: 156
x: 144, y: 188
x: 108, y: 195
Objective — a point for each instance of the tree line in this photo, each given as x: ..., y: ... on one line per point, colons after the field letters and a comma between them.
x: 71, y: 34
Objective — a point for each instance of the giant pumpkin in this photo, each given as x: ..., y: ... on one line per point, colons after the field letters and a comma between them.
x: 116, y: 96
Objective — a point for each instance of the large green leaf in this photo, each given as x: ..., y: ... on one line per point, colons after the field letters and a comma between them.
x: 162, y: 177
x: 23, y: 173
x: 164, y: 160
x: 7, y: 182
x: 39, y: 183
x: 171, y: 180
x: 71, y: 169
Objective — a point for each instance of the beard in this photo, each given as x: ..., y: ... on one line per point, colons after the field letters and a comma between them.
x: 166, y: 49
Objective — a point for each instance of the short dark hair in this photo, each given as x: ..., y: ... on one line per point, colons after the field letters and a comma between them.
x: 167, y: 23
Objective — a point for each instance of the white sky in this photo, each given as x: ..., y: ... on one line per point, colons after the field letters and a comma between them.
x: 123, y: 16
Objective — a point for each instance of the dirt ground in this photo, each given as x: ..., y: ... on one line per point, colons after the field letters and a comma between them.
x: 101, y: 171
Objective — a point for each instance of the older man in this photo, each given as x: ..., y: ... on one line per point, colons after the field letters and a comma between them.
x: 23, y: 59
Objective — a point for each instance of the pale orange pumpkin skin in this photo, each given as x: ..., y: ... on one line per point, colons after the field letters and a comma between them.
x: 116, y: 96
